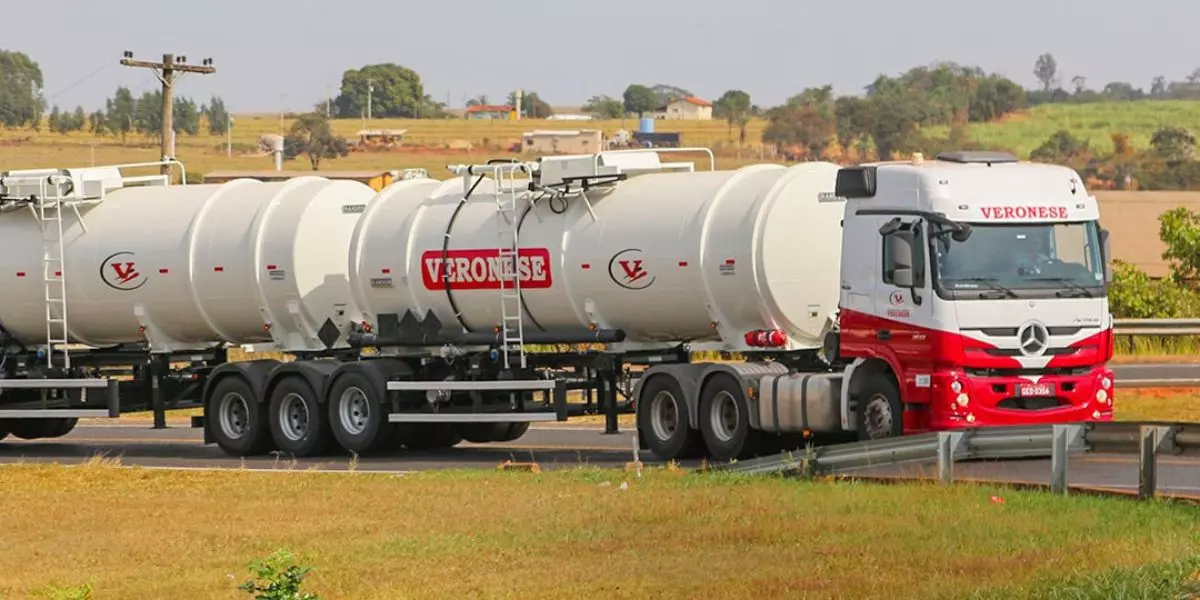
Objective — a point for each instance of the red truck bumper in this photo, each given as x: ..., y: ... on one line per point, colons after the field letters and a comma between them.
x: 962, y: 401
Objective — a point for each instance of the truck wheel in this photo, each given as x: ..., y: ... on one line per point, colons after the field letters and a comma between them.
x: 236, y: 420
x: 515, y: 432
x: 36, y: 429
x: 482, y: 433
x: 663, y: 420
x: 725, y: 419
x: 879, y: 412
x: 356, y: 415
x: 431, y: 436
x: 298, y: 422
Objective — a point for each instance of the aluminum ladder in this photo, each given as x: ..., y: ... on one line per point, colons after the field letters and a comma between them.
x: 512, y: 326
x: 54, y: 271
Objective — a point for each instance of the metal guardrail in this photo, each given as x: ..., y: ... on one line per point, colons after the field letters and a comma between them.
x: 945, y: 448
x: 1166, y: 327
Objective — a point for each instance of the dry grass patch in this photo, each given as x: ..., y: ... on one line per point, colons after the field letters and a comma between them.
x: 133, y: 533
x: 1158, y: 404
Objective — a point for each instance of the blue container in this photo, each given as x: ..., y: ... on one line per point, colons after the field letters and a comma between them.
x: 646, y: 125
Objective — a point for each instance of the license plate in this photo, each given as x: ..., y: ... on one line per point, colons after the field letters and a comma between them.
x: 1035, y: 389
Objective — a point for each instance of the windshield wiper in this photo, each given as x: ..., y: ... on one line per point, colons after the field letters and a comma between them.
x: 990, y: 282
x: 1075, y: 292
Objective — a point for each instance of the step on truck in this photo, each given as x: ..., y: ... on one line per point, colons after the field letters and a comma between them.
x: 870, y: 301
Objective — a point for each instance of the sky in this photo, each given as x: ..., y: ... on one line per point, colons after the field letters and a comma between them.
x: 272, y: 55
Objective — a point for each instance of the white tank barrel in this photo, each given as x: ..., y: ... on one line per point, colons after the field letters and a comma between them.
x: 664, y: 256
x: 187, y: 267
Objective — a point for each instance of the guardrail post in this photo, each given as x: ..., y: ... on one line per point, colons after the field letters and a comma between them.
x: 1148, y: 437
x: 948, y: 444
x: 1059, y: 444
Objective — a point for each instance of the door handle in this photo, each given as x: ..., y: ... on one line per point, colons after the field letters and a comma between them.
x: 884, y: 334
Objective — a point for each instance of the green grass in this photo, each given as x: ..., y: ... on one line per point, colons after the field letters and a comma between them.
x: 1094, y: 122
x: 134, y: 533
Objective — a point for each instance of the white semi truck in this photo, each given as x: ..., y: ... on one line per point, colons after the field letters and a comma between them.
x: 875, y: 300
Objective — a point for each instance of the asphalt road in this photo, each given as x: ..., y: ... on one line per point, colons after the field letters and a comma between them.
x: 1156, y: 375
x: 550, y: 446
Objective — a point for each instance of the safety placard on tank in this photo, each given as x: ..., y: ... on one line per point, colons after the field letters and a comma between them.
x: 484, y: 269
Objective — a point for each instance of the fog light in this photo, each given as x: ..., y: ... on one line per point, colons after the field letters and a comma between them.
x: 1105, y: 383
x: 1095, y: 414
x: 963, y: 399
x: 1101, y: 396
x: 956, y: 386
x: 971, y: 418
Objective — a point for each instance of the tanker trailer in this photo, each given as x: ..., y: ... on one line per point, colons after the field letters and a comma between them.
x: 652, y: 259
x: 112, y: 282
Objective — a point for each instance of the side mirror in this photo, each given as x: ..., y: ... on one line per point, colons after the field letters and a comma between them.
x: 903, y: 277
x: 1105, y: 252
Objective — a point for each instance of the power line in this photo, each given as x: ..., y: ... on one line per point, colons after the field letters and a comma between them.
x: 166, y: 72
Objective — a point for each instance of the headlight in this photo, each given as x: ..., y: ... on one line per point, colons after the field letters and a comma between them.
x: 963, y: 399
x: 956, y: 386
x: 1105, y: 383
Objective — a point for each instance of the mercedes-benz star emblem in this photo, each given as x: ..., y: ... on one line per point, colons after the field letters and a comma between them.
x: 1033, y: 338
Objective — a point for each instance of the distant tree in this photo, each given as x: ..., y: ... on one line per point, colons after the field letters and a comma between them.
x: 78, y: 119
x: 312, y: 135
x: 1120, y: 91
x: 1194, y: 77
x: 21, y: 102
x: 147, y: 116
x: 532, y: 106
x: 735, y: 107
x: 480, y: 100
x: 55, y: 119
x: 1061, y: 147
x: 640, y: 99
x: 1080, y: 83
x: 217, y: 115
x: 185, y: 116
x: 395, y: 92
x: 994, y: 98
x: 665, y: 93
x: 121, y: 112
x: 1175, y: 144
x: 807, y: 126
x: 1158, y: 87
x: 604, y: 107
x: 853, y: 120
x: 98, y: 123
x: 1046, y: 70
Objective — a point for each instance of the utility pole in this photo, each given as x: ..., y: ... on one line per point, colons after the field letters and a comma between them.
x: 370, y: 90
x: 165, y: 71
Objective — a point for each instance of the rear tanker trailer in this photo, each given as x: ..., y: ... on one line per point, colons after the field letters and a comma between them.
x: 412, y: 314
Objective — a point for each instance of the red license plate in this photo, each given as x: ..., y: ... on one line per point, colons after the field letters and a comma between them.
x: 1035, y: 389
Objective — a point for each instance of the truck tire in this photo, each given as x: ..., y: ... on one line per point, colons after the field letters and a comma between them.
x: 725, y: 419
x: 356, y: 415
x: 236, y: 419
x: 483, y: 433
x: 663, y: 420
x: 878, y: 410
x: 298, y: 421
x: 431, y: 436
x: 515, y: 432
x: 36, y: 429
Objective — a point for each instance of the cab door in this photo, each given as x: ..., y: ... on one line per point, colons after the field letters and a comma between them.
x: 904, y: 304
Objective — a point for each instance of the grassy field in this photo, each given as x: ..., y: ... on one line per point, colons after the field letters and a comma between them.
x: 131, y: 533
x: 1094, y: 122
x: 431, y: 144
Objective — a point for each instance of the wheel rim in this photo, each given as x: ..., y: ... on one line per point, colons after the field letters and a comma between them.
x: 878, y: 417
x: 354, y: 411
x: 664, y: 415
x: 234, y: 415
x: 723, y: 415
x: 293, y: 417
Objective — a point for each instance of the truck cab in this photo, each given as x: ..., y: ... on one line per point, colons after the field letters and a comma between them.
x: 973, y: 293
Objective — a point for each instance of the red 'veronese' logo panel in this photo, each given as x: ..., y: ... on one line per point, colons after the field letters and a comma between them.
x: 482, y: 269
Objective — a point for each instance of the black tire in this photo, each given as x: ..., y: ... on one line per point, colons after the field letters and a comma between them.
x: 356, y: 415
x: 482, y: 433
x: 673, y: 439
x: 236, y: 418
x: 725, y: 420
x: 36, y: 429
x: 515, y: 432
x: 304, y: 430
x: 431, y: 436
x: 878, y: 402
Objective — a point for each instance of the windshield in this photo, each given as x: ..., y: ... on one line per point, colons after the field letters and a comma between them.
x: 1006, y: 259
